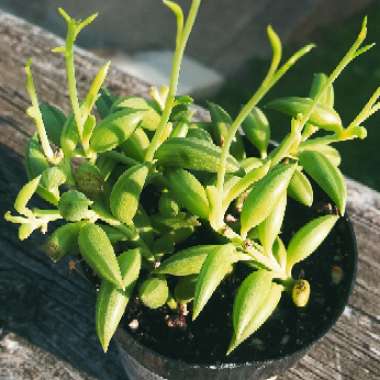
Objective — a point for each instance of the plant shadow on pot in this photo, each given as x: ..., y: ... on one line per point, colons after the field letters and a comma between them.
x: 151, y: 348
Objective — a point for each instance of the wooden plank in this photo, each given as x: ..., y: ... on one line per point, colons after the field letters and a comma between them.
x: 46, y: 313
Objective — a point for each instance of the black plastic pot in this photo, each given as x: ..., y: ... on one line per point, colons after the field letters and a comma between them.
x: 142, y: 362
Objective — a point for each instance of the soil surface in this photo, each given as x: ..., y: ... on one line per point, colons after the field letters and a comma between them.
x: 329, y: 270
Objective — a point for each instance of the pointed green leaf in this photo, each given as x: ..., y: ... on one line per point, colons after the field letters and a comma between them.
x: 254, y: 289
x: 52, y: 178
x: 322, y: 116
x: 265, y: 310
x: 264, y: 196
x: 69, y: 136
x: 199, y: 133
x: 330, y: 152
x: 167, y: 206
x: 92, y: 94
x: 250, y: 163
x: 88, y: 129
x: 242, y: 184
x: 270, y: 228
x: 300, y: 189
x: 185, y: 289
x: 111, y: 302
x: 115, y: 235
x: 150, y: 117
x: 25, y: 230
x: 89, y: 180
x: 25, y: 194
x: 191, y: 153
x: 188, y: 261
x: 125, y: 195
x: 35, y: 160
x: 279, y: 252
x: 98, y: 252
x: 130, y: 265
x: 154, y: 292
x: 63, y: 241
x: 327, y: 98
x: 257, y: 129
x: 214, y: 269
x: 104, y: 103
x: 327, y: 176
x: 308, y: 238
x: 54, y: 120
x: 136, y: 146
x: 180, y: 130
x: 221, y: 122
x: 114, y: 130
x: 188, y: 191
x: 73, y: 206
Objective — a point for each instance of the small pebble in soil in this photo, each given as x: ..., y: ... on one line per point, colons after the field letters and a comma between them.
x: 285, y: 339
x: 336, y: 274
x: 134, y: 324
x: 258, y: 344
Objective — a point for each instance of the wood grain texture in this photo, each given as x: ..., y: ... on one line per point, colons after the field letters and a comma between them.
x: 46, y: 312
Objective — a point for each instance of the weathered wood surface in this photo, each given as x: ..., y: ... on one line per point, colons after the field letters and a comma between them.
x: 46, y: 312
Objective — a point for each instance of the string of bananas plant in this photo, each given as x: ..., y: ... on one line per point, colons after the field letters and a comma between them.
x: 94, y: 165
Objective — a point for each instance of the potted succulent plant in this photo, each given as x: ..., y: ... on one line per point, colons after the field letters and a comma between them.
x: 198, y: 235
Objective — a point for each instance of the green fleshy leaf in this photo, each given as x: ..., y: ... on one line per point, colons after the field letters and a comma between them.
x: 308, y: 239
x: 216, y: 266
x: 327, y: 176
x: 97, y: 250
x: 154, y: 292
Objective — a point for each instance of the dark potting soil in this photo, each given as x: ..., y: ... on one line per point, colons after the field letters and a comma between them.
x: 329, y: 270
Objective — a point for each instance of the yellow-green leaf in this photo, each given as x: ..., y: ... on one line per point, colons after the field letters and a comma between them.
x: 308, y: 238
x: 24, y: 196
x: 111, y: 302
x: 242, y: 184
x: 63, y: 241
x: 300, y: 189
x: 327, y: 176
x: 185, y: 289
x: 188, y: 261
x: 154, y: 292
x: 188, y: 191
x: 214, y: 269
x: 125, y: 195
x: 327, y: 98
x: 257, y: 129
x: 114, y: 130
x: 330, y: 152
x: 263, y: 313
x: 98, y: 252
x: 322, y: 116
x: 253, y: 290
x: 270, y: 228
x: 191, y: 153
x: 264, y: 196
x: 150, y: 117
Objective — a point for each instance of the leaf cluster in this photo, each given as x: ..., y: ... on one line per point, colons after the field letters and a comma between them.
x: 132, y: 180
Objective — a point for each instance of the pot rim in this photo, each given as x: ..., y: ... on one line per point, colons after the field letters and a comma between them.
x: 218, y: 366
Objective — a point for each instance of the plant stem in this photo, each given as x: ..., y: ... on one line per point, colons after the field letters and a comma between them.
x: 35, y: 113
x: 71, y: 81
x: 345, y: 61
x: 269, y: 81
x: 176, y: 68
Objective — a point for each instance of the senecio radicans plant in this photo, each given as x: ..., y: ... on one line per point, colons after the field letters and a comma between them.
x: 132, y: 180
